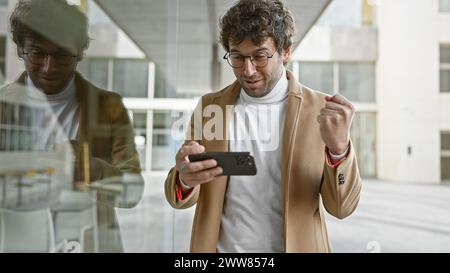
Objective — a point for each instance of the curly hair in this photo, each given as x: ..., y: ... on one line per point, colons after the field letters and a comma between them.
x: 54, y: 20
x: 258, y: 20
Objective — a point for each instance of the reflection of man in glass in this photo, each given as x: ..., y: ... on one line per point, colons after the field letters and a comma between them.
x: 51, y: 37
x: 279, y: 209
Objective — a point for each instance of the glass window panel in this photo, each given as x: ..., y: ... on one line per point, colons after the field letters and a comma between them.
x: 445, y: 141
x: 96, y: 71
x: 164, y: 145
x: 318, y: 76
x: 444, y: 53
x: 165, y: 89
x: 445, y: 168
x: 2, y: 47
x: 444, y: 5
x: 444, y: 79
x: 357, y: 81
x: 2, y: 72
x: 2, y: 59
x: 140, y: 120
x: 131, y: 78
x: 363, y: 134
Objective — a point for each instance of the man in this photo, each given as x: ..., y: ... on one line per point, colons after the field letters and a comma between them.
x: 279, y: 209
x: 51, y: 37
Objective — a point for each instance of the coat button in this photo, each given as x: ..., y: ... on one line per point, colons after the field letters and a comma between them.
x: 341, y: 179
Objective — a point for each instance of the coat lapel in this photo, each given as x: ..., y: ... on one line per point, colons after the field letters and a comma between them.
x: 290, y: 128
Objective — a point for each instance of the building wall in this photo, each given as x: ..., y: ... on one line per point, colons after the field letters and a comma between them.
x: 411, y: 111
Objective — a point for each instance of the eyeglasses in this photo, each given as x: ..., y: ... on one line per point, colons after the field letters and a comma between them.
x: 237, y: 60
x: 39, y: 57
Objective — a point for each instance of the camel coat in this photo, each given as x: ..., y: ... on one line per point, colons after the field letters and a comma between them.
x: 308, y: 183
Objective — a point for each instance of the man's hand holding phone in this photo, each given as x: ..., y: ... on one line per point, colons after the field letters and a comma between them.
x: 195, y: 173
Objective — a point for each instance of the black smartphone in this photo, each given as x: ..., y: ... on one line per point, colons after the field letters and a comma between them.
x: 232, y: 163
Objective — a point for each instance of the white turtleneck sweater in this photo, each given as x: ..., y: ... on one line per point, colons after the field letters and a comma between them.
x: 252, y: 218
x: 64, y: 104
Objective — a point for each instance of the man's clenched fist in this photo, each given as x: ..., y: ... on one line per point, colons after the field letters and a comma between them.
x: 335, y: 120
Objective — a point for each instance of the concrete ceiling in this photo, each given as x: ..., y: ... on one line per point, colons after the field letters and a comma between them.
x: 179, y: 35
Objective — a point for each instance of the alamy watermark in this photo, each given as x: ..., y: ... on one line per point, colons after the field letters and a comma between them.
x: 255, y: 122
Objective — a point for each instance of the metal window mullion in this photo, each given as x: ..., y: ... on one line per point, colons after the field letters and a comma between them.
x: 110, y: 74
x: 336, y: 77
x: 149, y: 127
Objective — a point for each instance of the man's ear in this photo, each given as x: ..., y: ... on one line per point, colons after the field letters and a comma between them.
x: 286, y: 55
x: 19, y: 52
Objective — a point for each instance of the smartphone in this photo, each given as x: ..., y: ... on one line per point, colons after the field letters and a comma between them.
x: 232, y: 163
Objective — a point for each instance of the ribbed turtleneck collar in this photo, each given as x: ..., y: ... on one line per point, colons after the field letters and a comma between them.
x: 277, y: 94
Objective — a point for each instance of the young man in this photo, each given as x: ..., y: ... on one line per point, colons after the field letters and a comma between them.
x: 51, y: 37
x: 313, y: 163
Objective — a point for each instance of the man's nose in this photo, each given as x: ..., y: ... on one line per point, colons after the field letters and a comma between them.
x: 249, y: 67
x: 49, y: 63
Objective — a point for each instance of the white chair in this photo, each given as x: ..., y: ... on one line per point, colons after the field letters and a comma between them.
x: 27, y: 231
x: 74, y: 216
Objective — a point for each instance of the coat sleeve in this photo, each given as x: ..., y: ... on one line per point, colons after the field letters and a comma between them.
x: 169, y: 189
x: 341, y: 186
